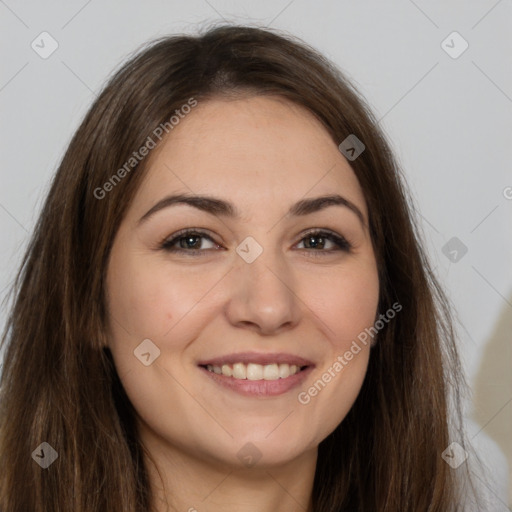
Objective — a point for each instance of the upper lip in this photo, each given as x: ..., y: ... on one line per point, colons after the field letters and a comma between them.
x: 257, y: 358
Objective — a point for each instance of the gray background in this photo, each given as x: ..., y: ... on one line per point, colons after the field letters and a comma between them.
x: 448, y: 120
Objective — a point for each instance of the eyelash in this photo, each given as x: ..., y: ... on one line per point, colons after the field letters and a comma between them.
x: 341, y: 242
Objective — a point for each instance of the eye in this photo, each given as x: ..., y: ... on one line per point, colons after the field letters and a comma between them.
x: 189, y: 241
x: 193, y: 241
x: 324, y: 241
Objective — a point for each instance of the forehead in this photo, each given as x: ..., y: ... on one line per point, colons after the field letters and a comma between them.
x: 250, y: 150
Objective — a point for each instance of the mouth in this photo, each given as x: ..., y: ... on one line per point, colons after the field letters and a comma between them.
x: 259, y: 375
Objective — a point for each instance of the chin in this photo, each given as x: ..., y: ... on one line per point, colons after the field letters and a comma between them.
x: 264, y: 450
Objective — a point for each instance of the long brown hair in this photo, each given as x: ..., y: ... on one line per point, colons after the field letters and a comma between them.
x: 59, y: 384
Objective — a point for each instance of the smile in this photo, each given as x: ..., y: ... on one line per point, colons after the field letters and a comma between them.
x: 258, y: 375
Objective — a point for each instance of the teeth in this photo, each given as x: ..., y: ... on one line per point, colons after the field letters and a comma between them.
x: 271, y: 372
x: 254, y: 371
x: 284, y: 370
x: 227, y: 370
x: 239, y: 371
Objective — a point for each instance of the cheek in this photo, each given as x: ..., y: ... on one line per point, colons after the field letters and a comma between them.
x: 146, y: 301
x: 348, y: 303
x: 348, y: 308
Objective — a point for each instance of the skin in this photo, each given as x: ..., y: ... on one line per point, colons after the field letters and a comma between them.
x: 262, y: 154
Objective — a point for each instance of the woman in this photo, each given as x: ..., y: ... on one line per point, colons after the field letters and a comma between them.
x: 225, y: 305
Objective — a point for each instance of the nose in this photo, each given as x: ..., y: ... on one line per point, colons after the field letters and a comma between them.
x: 262, y: 295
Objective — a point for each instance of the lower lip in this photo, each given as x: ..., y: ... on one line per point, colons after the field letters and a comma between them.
x: 261, y: 388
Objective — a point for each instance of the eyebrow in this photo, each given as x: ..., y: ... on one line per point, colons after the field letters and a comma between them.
x: 220, y: 207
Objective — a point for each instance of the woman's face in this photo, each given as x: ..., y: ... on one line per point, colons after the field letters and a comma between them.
x: 254, y: 295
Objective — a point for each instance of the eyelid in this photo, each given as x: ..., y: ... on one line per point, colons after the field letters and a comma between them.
x: 172, y: 239
x: 343, y: 243
x: 186, y: 231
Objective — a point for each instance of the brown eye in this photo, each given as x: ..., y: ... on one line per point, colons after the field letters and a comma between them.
x: 324, y: 241
x: 189, y: 241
